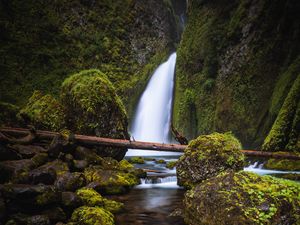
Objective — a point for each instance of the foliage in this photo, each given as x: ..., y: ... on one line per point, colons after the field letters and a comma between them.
x: 243, y: 198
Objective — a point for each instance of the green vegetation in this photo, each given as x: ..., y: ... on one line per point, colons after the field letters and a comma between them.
x: 92, y: 216
x: 44, y: 112
x: 8, y: 114
x: 171, y: 165
x: 235, y: 68
x: 283, y: 164
x: 285, y: 133
x: 243, y: 198
x: 207, y: 156
x: 137, y: 160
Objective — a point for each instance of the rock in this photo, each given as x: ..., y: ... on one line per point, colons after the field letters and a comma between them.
x: 282, y: 164
x: 90, y: 197
x: 24, y: 197
x: 8, y: 114
x: 70, y: 200
x: 44, y: 112
x: 137, y: 160
x: 110, y: 181
x: 80, y: 164
x: 61, y: 144
x: 92, y: 215
x: 289, y: 176
x: 70, y: 181
x: 28, y: 151
x: 89, y: 155
x: 242, y: 198
x: 207, y: 156
x: 94, y: 108
x: 171, y: 164
x: 24, y: 219
x: 15, y: 170
x: 8, y: 153
x: 160, y: 161
x: 55, y: 214
x: 47, y: 173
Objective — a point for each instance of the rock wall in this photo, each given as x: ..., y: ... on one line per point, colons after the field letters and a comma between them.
x: 237, y: 62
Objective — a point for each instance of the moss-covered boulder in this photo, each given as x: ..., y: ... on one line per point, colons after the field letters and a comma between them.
x: 207, y: 156
x: 110, y: 181
x: 94, y: 108
x: 44, y: 112
x: 243, y: 198
x: 90, y: 197
x: 86, y: 215
x: 282, y: 164
x: 137, y: 160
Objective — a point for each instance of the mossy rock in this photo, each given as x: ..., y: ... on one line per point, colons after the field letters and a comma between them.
x: 171, y: 164
x: 137, y: 160
x: 44, y: 112
x: 243, y: 198
x: 94, y: 108
x: 207, y: 156
x: 8, y: 114
x: 160, y: 161
x: 283, y: 164
x: 110, y: 181
x: 86, y: 215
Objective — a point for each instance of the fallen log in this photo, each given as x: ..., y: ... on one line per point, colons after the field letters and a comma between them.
x: 92, y: 140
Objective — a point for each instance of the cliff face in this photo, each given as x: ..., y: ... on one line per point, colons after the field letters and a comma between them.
x: 43, y: 42
x: 237, y: 62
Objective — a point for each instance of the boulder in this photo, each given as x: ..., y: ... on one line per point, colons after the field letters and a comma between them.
x: 28, y: 151
x: 242, y: 198
x: 282, y: 164
x: 25, y: 197
x: 23, y: 219
x: 70, y: 181
x: 89, y: 155
x: 94, y: 108
x: 48, y: 173
x: 70, y: 200
x: 110, y: 181
x: 207, y: 156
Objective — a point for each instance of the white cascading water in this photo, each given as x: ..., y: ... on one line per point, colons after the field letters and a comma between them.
x: 153, y: 115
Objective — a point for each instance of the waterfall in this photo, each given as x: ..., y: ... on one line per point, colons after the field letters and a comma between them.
x: 153, y: 114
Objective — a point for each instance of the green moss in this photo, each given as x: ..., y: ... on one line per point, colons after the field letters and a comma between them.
x: 283, y: 164
x: 137, y: 160
x: 112, y: 206
x: 286, y: 123
x: 111, y: 181
x: 89, y: 197
x: 46, y: 198
x: 44, y: 112
x: 171, y: 164
x: 207, y: 156
x: 160, y: 161
x: 229, y: 53
x: 243, y: 198
x: 92, y: 216
x: 125, y: 165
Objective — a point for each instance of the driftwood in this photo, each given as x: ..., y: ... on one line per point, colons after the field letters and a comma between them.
x: 91, y: 140
x: 178, y: 136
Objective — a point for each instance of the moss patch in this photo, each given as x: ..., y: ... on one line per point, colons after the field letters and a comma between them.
x: 44, y: 112
x: 283, y: 164
x: 92, y: 216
